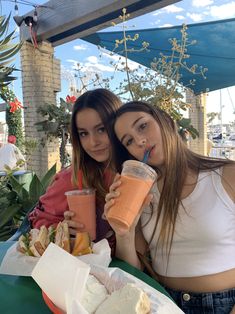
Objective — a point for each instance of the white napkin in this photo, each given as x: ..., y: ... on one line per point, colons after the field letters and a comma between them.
x: 114, y: 279
x: 59, y: 273
x: 101, y: 254
x: 73, y: 306
x: 18, y: 264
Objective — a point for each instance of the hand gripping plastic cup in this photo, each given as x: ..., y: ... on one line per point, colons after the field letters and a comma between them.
x: 137, y: 179
x: 82, y: 203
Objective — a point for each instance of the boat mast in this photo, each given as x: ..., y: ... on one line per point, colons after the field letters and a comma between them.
x: 221, y: 117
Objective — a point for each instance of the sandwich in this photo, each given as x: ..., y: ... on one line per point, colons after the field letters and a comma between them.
x: 35, y: 242
x: 82, y: 244
x: 62, y: 236
x: 38, y: 242
x: 25, y: 241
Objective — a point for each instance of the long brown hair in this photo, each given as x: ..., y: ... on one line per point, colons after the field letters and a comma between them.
x: 178, y: 160
x: 105, y: 103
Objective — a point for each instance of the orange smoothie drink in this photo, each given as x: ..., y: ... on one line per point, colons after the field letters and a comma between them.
x: 137, y: 179
x: 82, y: 203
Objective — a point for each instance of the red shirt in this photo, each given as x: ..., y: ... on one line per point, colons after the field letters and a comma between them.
x: 52, y: 205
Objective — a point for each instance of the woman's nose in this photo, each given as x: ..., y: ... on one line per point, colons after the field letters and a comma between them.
x: 142, y: 141
x: 93, y: 140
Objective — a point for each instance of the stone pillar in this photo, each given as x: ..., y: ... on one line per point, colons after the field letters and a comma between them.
x: 40, y: 83
x: 197, y: 114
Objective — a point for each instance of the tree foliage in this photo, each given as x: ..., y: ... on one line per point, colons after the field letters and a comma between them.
x: 8, y: 50
x: 56, y: 124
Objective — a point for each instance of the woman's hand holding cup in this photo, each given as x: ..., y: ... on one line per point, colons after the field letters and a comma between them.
x: 110, y: 201
x: 74, y: 226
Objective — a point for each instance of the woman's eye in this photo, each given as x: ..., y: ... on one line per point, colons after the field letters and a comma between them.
x: 82, y: 134
x: 143, y: 126
x: 128, y: 143
x: 101, y: 130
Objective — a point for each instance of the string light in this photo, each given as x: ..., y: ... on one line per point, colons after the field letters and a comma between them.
x: 16, y: 8
x: 29, y: 3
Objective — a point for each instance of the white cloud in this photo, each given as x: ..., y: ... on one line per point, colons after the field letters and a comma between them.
x: 166, y: 25
x: 71, y: 61
x: 223, y: 11
x: 157, y: 12
x: 119, y: 60
x: 195, y: 17
x: 80, y: 47
x: 109, y: 55
x: 92, y: 59
x: 96, y: 67
x: 155, y: 22
x: 201, y: 3
x: 173, y: 9
x: 180, y: 17
x: 92, y: 64
x: 169, y: 9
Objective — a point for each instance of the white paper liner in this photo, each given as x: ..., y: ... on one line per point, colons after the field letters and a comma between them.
x: 114, y: 279
x: 17, y: 264
x: 63, y: 277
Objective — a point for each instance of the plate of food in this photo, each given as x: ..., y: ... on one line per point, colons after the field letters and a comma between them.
x: 114, y: 291
x: 97, y: 300
x: 26, y: 252
x: 35, y: 242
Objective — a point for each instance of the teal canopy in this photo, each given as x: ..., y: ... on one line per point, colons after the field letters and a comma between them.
x: 214, y: 50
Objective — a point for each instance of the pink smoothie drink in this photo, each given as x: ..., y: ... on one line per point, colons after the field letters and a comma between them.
x: 136, y: 182
x: 82, y: 203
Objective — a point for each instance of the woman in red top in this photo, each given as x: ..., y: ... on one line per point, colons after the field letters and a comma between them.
x: 91, y: 157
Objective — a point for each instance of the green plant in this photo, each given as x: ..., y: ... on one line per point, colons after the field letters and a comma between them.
x: 13, y: 116
x: 159, y: 85
x: 56, y: 125
x: 29, y: 146
x: 8, y: 50
x: 16, y: 201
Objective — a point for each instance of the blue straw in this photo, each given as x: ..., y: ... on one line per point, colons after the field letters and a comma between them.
x: 146, y: 156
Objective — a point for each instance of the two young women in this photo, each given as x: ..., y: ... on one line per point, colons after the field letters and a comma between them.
x: 189, y: 226
x: 91, y: 160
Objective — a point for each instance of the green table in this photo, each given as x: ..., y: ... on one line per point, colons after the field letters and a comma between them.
x: 21, y: 295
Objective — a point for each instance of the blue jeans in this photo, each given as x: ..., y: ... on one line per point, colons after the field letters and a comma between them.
x: 204, y: 303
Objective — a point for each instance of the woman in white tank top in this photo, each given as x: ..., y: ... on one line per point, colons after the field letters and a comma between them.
x: 189, y: 227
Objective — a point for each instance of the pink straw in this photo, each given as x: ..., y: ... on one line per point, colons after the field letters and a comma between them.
x: 80, y: 179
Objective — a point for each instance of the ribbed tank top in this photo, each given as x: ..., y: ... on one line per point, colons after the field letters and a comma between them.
x: 204, y: 237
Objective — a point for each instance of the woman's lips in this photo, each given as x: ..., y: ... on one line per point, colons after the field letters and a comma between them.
x: 151, y: 151
x: 99, y: 151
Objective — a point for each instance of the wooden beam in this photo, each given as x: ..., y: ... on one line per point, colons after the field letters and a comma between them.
x: 60, y: 21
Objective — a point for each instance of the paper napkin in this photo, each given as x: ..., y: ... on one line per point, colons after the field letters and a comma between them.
x: 59, y: 273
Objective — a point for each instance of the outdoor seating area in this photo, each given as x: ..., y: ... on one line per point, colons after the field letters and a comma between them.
x: 117, y: 157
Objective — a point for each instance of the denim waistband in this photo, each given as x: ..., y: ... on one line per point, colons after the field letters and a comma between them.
x: 209, y: 301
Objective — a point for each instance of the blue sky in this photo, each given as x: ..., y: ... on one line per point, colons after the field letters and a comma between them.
x: 88, y: 56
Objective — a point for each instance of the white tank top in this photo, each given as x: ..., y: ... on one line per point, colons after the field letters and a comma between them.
x: 204, y: 237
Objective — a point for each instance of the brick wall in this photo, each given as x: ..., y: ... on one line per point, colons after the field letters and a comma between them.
x: 40, y: 83
x: 197, y: 114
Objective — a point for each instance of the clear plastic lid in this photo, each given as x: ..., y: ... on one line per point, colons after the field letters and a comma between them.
x: 138, y: 169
